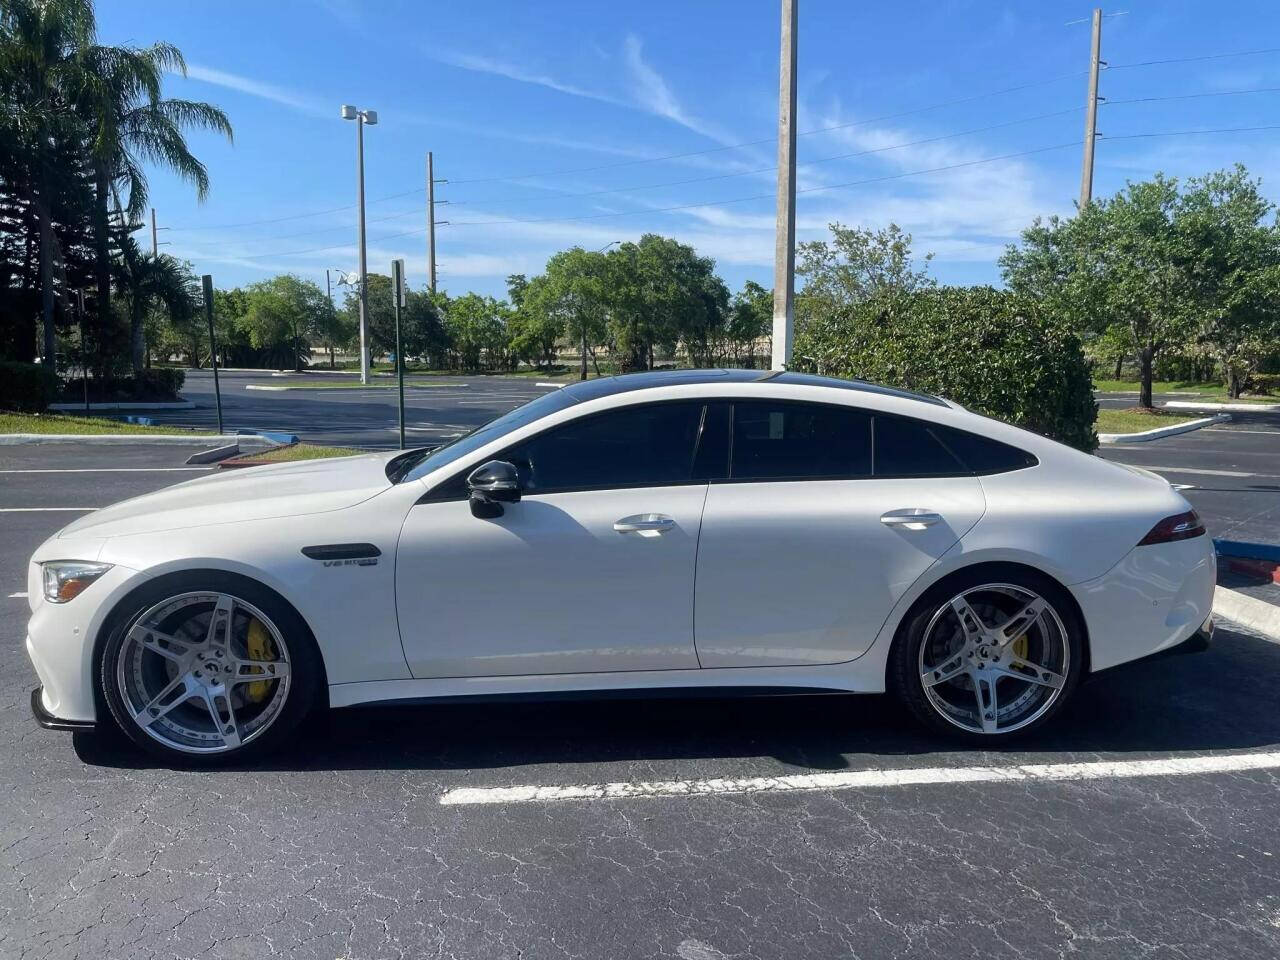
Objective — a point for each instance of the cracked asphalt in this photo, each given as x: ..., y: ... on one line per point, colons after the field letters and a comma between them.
x: 339, y: 847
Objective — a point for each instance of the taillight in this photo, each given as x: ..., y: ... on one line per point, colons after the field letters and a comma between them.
x: 1181, y: 526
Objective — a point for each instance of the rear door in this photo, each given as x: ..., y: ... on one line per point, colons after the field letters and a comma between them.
x: 829, y: 514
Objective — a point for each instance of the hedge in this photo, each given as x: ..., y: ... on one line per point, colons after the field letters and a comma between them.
x: 986, y: 349
x: 158, y: 383
x: 26, y: 387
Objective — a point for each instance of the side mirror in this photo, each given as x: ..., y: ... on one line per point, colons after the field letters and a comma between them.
x: 492, y: 485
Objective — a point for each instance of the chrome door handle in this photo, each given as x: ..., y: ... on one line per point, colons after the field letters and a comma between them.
x: 912, y: 518
x: 645, y: 524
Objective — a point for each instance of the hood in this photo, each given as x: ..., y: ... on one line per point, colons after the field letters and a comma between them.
x: 250, y: 493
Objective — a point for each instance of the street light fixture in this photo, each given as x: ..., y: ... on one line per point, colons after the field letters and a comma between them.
x: 361, y: 117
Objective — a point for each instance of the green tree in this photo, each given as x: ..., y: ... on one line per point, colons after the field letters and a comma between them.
x: 535, y: 325
x: 145, y: 281
x: 1235, y: 246
x: 570, y: 298
x: 1122, y: 260
x: 856, y: 266
x: 750, y: 320
x: 477, y: 330
x: 283, y: 315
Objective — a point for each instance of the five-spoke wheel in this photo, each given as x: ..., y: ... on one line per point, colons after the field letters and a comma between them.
x: 203, y: 671
x: 988, y: 658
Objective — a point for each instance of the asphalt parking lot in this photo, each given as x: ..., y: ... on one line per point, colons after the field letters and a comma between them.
x: 380, y: 834
x: 360, y: 417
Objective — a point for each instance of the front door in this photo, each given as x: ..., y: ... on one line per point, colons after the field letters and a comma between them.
x: 813, y: 539
x: 591, y: 571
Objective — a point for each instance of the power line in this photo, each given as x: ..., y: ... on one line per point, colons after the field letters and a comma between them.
x: 870, y: 180
x: 745, y: 173
x: 769, y: 196
x: 1192, y: 96
x: 1211, y: 56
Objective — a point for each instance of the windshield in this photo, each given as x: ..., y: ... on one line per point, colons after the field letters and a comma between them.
x: 418, y: 464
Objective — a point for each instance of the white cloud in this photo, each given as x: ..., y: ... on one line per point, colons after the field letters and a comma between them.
x: 652, y: 94
x: 499, y: 68
x: 255, y: 88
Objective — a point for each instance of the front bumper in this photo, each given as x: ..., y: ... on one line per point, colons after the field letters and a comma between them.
x: 47, y: 720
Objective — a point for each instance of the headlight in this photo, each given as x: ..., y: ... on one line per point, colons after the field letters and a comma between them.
x: 66, y: 579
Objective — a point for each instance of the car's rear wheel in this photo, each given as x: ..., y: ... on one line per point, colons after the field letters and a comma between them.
x: 206, y: 668
x: 985, y: 657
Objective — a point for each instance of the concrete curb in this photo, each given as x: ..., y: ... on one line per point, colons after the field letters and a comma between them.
x: 1159, y: 432
x: 1242, y: 407
x: 263, y: 386
x: 542, y: 383
x: 1257, y: 615
x: 216, y: 454
x: 94, y: 439
x: 158, y: 405
x: 408, y: 386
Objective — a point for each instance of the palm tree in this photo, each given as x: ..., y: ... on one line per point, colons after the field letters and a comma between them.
x: 63, y: 91
x: 144, y: 280
x: 131, y: 124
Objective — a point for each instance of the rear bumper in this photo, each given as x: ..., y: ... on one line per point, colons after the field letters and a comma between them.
x: 47, y: 720
x: 1156, y: 599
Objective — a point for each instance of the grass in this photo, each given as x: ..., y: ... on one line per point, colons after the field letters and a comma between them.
x: 1136, y: 420
x: 1217, y: 391
x: 57, y: 423
x: 296, y: 451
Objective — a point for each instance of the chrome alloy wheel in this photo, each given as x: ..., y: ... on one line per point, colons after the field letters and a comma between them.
x: 994, y: 658
x: 203, y: 672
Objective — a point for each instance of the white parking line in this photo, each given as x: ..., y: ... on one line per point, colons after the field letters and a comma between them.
x: 868, y: 779
x: 18, y: 596
x: 48, y: 509
x: 1235, y: 430
x: 113, y: 470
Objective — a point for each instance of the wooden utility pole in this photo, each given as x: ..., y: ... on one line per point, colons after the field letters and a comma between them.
x: 784, y: 249
x: 1091, y: 112
x: 431, y: 222
x: 206, y: 283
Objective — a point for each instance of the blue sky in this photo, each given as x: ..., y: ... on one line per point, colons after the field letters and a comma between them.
x: 545, y: 118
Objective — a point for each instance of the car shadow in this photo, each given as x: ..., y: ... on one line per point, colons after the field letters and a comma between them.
x: 1223, y: 699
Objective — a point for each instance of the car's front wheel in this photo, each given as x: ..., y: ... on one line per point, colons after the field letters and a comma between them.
x: 988, y: 655
x: 208, y: 667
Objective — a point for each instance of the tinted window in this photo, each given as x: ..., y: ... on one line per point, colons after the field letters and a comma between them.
x: 637, y: 446
x: 782, y: 441
x: 983, y: 455
x: 908, y: 448
x: 527, y: 413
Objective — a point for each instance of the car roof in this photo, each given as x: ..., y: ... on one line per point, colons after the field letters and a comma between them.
x: 585, y: 390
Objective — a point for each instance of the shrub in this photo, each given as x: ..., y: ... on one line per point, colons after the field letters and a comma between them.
x: 26, y: 387
x: 989, y: 350
x: 158, y: 383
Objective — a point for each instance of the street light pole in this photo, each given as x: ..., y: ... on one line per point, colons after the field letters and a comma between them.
x: 784, y: 240
x: 361, y: 117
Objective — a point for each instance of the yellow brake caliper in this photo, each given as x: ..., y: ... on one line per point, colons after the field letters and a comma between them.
x: 259, y: 645
x: 1019, y: 648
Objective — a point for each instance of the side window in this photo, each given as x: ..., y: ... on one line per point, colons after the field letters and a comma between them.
x: 636, y: 446
x: 982, y: 454
x: 777, y: 440
x: 908, y: 448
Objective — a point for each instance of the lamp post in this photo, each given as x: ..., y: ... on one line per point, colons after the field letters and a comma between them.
x: 361, y: 117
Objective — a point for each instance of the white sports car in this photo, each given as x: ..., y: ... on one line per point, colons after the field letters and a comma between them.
x: 704, y: 529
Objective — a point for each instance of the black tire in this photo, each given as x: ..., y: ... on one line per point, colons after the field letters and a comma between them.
x: 306, y: 671
x: 936, y: 712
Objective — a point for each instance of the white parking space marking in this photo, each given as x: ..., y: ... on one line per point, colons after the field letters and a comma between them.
x: 867, y: 779
x: 18, y: 596
x: 115, y: 470
x: 1234, y: 430
x: 48, y: 509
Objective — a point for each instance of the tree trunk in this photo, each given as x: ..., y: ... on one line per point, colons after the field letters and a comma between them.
x: 1146, y: 360
x: 102, y: 264
x: 1119, y: 367
x: 137, y: 341
x: 1234, y: 383
x: 49, y: 341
